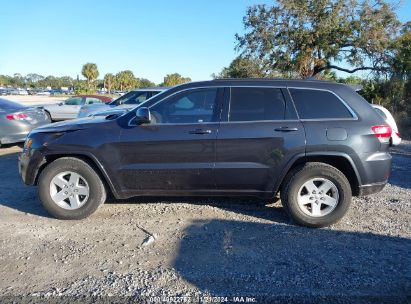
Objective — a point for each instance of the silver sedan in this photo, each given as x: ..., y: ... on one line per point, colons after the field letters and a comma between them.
x: 129, y: 100
x: 16, y: 121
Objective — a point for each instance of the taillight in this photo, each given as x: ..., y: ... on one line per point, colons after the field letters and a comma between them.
x: 17, y: 116
x: 398, y: 134
x: 383, y: 133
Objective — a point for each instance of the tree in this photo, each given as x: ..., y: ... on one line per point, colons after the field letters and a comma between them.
x: 90, y: 72
x: 145, y: 83
x: 242, y: 68
x: 108, y: 81
x: 125, y: 80
x: 401, y: 65
x: 174, y: 79
x: 33, y: 79
x: 311, y: 36
x: 5, y: 80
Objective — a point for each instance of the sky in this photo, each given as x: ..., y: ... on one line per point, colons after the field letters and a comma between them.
x: 194, y: 38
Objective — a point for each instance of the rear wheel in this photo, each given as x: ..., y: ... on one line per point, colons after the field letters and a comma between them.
x: 316, y: 195
x: 69, y: 188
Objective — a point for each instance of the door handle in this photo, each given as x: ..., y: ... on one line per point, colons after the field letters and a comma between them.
x: 200, y: 131
x: 285, y: 129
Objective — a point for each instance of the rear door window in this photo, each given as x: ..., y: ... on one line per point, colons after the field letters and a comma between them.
x: 318, y: 104
x: 254, y: 104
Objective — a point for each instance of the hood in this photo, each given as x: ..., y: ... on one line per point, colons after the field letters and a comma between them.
x: 72, y: 125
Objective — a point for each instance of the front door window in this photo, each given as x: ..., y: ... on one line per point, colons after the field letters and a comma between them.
x: 192, y: 106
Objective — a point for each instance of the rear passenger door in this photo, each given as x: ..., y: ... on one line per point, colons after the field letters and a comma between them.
x: 325, y: 116
x: 258, y: 136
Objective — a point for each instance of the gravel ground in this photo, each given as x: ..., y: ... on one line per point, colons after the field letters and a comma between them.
x: 142, y: 248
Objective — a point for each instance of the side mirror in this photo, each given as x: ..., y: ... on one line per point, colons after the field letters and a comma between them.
x: 60, y: 104
x: 143, y: 116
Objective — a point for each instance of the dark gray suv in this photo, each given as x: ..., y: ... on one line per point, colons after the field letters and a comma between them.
x: 317, y: 143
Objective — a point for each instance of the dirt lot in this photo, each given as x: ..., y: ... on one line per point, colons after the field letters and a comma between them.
x: 201, y: 247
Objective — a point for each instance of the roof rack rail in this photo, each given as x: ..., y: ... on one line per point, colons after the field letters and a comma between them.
x: 239, y: 79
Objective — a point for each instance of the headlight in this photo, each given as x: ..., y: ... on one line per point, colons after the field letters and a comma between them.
x: 28, y: 143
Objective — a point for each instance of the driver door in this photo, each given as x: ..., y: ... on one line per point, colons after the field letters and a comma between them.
x: 176, y: 151
x: 71, y: 107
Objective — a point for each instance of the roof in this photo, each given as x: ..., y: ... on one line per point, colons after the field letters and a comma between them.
x: 311, y: 79
x: 303, y: 83
x: 155, y: 89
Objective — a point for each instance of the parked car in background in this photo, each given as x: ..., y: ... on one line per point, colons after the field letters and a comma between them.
x: 395, y: 139
x: 60, y: 92
x: 70, y: 108
x: 43, y: 93
x: 18, y: 91
x: 318, y: 143
x: 129, y: 100
x: 16, y: 121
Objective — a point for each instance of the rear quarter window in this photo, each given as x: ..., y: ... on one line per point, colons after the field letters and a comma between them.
x: 318, y: 104
x: 381, y: 113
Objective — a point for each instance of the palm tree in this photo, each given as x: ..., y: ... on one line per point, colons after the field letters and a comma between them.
x: 175, y: 79
x: 90, y: 72
x: 108, y: 81
x: 125, y: 80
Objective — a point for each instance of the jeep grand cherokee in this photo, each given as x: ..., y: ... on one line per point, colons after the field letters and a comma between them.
x: 316, y: 143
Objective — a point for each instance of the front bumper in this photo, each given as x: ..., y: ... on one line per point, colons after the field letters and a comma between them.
x: 29, y: 163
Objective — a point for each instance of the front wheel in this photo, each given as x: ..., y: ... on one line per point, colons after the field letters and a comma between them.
x: 316, y: 195
x: 70, y: 189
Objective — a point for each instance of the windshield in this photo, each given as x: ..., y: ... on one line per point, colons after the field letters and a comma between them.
x: 121, y: 113
x: 7, y: 105
x: 134, y: 98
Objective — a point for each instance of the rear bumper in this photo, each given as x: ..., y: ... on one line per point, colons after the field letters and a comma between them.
x: 14, y: 138
x: 376, y: 169
x: 371, y: 188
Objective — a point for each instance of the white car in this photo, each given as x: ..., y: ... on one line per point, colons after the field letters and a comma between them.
x: 395, y: 136
x: 129, y: 100
x: 70, y: 108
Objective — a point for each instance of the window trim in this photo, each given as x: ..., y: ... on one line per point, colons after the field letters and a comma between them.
x: 222, y: 103
x: 350, y: 110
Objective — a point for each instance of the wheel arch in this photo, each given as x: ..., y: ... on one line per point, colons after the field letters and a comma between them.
x: 341, y: 161
x: 86, y: 157
x: 49, y: 114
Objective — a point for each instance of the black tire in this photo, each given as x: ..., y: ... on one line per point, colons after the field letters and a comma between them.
x: 295, y: 180
x: 97, y: 195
